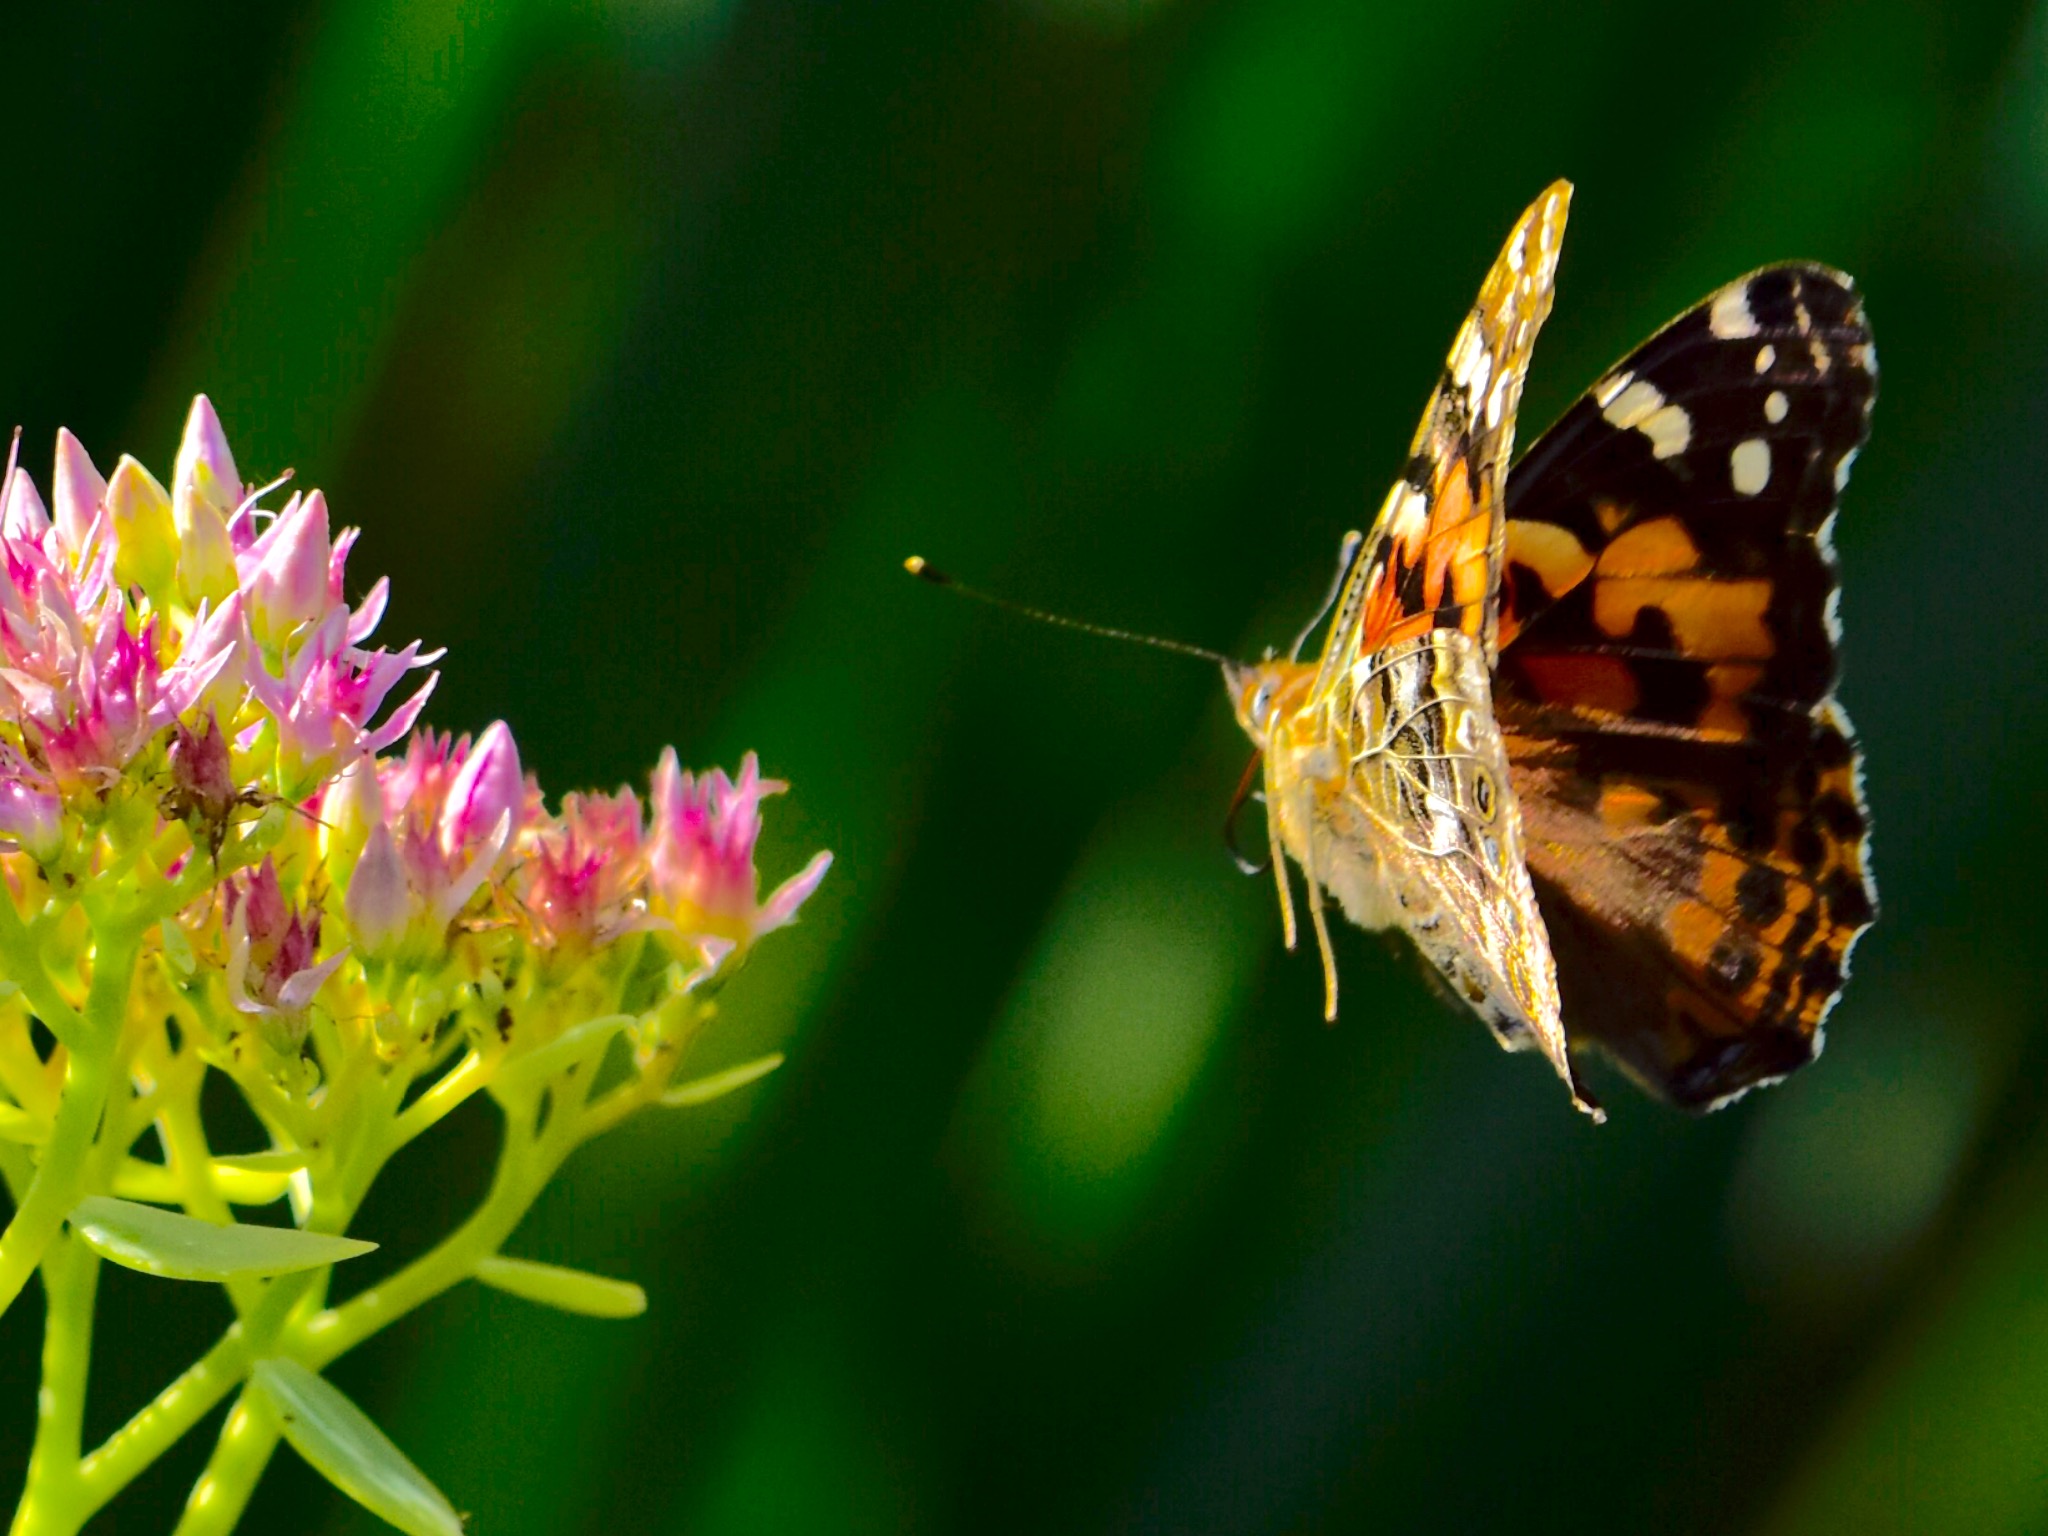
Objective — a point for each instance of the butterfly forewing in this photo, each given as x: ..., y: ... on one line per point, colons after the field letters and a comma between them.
x: 1433, y: 558
x: 1421, y: 829
x: 1668, y: 621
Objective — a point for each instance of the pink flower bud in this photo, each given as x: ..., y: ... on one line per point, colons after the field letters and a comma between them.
x: 378, y: 904
x: 202, y: 779
x: 271, y: 949
x: 487, y: 795
x: 205, y: 470
x: 284, y: 573
x: 350, y: 807
x: 22, y: 513
x: 258, y: 900
x: 34, y: 818
x: 79, y: 493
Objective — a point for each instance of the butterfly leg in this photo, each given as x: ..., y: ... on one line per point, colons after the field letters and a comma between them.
x: 1312, y: 880
x: 1322, y: 927
x: 1279, y: 858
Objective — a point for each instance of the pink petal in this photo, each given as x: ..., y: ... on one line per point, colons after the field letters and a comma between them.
x: 488, y: 788
x: 780, y: 909
x: 79, y: 491
x: 402, y: 718
x: 304, y: 986
x: 23, y: 516
x: 204, y: 446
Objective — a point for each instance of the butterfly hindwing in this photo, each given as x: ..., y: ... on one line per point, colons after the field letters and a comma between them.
x: 1696, y: 827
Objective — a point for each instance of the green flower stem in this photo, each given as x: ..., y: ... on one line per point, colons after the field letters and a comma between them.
x: 524, y: 1167
x: 17, y: 1168
x: 247, y: 1440
x: 525, y: 1164
x: 248, y: 1437
x: 22, y: 961
x: 89, y: 1076
x: 137, y: 1444
x: 454, y: 1088
x: 215, y: 1505
x: 187, y: 1400
x: 58, y: 1184
x: 53, y: 1503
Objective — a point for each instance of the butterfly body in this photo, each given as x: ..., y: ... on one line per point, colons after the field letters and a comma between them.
x: 1573, y: 729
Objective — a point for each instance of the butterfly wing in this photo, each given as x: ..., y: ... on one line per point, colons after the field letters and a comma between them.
x: 1433, y: 558
x: 1420, y: 829
x: 1692, y: 792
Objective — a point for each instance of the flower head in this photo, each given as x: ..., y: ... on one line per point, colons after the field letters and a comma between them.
x: 271, y: 970
x: 182, y: 673
x: 701, y: 855
x: 582, y: 875
x: 450, y: 811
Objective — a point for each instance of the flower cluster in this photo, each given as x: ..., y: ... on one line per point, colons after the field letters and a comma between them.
x: 189, y: 658
x: 226, y: 848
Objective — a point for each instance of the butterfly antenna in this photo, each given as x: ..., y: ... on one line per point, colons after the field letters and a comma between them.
x: 924, y: 570
x: 1346, y: 553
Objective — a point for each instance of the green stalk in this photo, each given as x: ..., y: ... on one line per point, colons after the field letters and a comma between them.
x: 221, y: 1495
x: 525, y: 1164
x: 217, y: 1500
x: 89, y: 1077
x: 53, y: 1504
x: 132, y: 1448
x: 59, y: 1180
x: 523, y: 1169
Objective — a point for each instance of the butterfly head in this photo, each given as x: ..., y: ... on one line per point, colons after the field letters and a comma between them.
x: 1265, y: 694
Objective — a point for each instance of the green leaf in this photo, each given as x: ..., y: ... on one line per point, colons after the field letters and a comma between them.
x: 181, y: 1248
x: 543, y: 1062
x: 704, y: 1089
x: 351, y: 1452
x: 569, y: 1289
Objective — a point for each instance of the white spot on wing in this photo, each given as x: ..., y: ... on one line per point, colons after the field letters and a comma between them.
x: 1605, y: 391
x: 1749, y: 466
x: 1469, y: 353
x: 1842, y: 468
x: 1481, y: 372
x: 1406, y: 511
x: 1776, y: 406
x: 1669, y: 431
x: 1729, y: 318
x: 1640, y: 406
x: 1633, y: 404
x: 1765, y: 356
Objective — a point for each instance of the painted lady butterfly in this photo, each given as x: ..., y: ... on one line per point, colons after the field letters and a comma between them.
x: 1573, y: 728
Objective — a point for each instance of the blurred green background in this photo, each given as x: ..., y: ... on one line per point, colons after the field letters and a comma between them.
x: 644, y: 337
